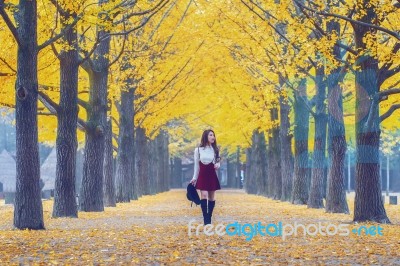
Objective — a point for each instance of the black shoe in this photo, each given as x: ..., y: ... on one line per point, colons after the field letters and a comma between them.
x: 211, y: 205
x: 203, y: 204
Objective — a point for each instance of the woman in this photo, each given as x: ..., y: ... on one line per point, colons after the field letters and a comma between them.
x: 206, y: 163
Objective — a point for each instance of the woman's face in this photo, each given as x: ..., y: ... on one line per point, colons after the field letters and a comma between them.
x: 211, y: 137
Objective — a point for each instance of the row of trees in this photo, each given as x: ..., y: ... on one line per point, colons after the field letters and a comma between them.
x: 339, y: 43
x: 112, y: 109
x: 123, y: 71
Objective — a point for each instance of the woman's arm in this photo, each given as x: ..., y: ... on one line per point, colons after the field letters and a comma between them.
x: 196, y: 164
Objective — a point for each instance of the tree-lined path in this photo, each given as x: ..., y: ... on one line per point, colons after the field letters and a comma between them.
x: 154, y: 229
x: 102, y: 103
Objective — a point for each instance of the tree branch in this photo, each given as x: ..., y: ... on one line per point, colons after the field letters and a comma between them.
x: 318, y: 27
x: 115, y: 136
x: 389, y: 112
x: 387, y: 65
x: 115, y: 121
x: 46, y: 113
x: 49, y: 103
x: 383, y: 95
x: 59, y: 8
x: 53, y: 108
x: 87, y: 55
x: 144, y: 22
x: 9, y: 23
x: 58, y: 36
x: 126, y: 17
x: 162, y: 89
x: 7, y: 105
x: 120, y: 53
x: 84, y: 104
x: 392, y: 33
x: 3, y: 74
x: 8, y: 65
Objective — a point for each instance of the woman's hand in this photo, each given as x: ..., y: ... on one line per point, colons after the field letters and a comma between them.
x: 193, y: 181
x: 217, y: 165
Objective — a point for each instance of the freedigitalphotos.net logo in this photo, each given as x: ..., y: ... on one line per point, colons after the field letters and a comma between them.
x: 283, y: 230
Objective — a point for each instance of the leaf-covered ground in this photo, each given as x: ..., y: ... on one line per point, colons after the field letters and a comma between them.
x: 154, y: 230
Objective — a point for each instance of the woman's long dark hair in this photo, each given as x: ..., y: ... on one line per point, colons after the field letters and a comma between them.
x: 204, y: 141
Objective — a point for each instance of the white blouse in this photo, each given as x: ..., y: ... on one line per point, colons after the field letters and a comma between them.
x: 206, y: 157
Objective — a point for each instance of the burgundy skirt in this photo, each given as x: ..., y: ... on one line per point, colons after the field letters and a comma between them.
x: 207, y: 179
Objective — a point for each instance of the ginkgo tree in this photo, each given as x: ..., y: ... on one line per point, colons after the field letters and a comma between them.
x: 125, y: 72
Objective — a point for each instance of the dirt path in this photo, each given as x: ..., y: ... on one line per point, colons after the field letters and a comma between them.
x: 154, y: 230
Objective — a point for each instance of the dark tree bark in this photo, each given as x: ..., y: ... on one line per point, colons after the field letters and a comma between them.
x: 142, y: 161
x: 167, y: 176
x: 336, y: 194
x: 238, y: 169
x: 286, y: 149
x: 160, y: 164
x: 154, y: 162
x: 79, y: 169
x: 162, y: 167
x: 67, y: 117
x: 315, y: 199
x: 301, y: 121
x: 173, y: 180
x: 177, y: 172
x: 91, y: 194
x: 28, y: 210
x: 274, y: 160
x: 231, y: 173
x: 250, y: 181
x: 368, y: 205
x: 259, y: 163
x: 125, y: 147
x: 108, y: 170
x: 134, y: 191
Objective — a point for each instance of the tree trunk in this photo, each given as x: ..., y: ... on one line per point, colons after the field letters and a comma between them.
x: 28, y: 209
x: 247, y: 182
x: 154, y: 162
x: 315, y: 199
x: 301, y: 120
x: 177, y: 174
x: 286, y: 149
x: 161, y: 173
x: 335, y: 194
x: 67, y: 142
x: 231, y: 173
x: 91, y: 196
x: 238, y: 169
x: 134, y: 193
x: 274, y: 160
x: 125, y: 147
x: 260, y: 167
x: 368, y: 204
x: 108, y: 170
x: 167, y: 175
x: 142, y: 161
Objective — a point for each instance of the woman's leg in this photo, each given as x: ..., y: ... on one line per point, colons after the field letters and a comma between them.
x: 204, y: 194
x: 203, y: 204
x: 210, y: 204
x: 211, y: 195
